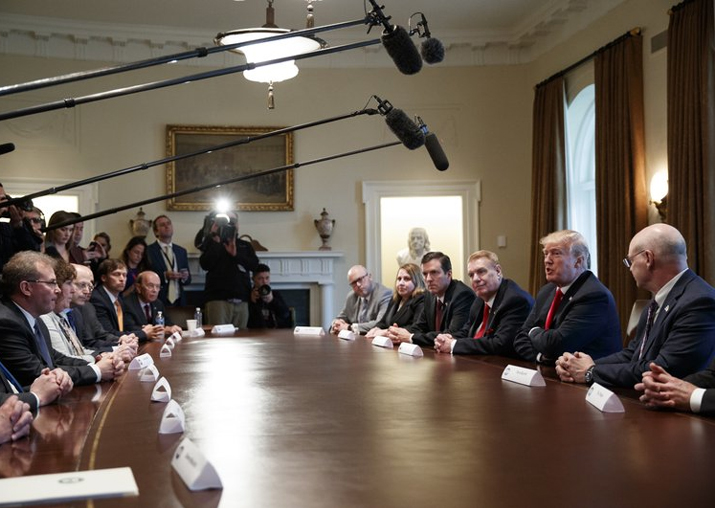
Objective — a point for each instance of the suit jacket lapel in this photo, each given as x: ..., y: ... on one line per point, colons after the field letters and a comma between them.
x: 670, y: 302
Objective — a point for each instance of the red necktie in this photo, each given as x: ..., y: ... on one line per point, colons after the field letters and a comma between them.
x: 483, y: 326
x: 438, y: 316
x: 552, y: 310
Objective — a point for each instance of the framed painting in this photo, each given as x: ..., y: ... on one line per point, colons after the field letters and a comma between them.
x: 272, y: 192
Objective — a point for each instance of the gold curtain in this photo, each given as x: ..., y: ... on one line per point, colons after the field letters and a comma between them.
x: 621, y: 200
x: 691, y: 148
x: 548, y: 172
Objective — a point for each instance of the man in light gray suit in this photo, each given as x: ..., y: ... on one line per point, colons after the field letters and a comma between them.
x: 365, y: 304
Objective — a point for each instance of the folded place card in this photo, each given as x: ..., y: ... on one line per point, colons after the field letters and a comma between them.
x: 346, y: 335
x: 176, y: 336
x: 410, y: 349
x: 165, y: 351
x: 64, y: 487
x: 141, y: 362
x: 172, y: 421
x: 149, y: 375
x: 170, y: 342
x: 194, y: 468
x: 198, y: 332
x: 308, y: 330
x: 223, y: 329
x: 161, y: 391
x: 523, y: 376
x: 604, y: 399
x: 382, y: 341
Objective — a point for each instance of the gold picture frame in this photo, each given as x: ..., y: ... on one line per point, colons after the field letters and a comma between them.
x: 264, y: 193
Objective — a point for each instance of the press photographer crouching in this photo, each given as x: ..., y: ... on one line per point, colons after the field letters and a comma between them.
x: 228, y: 262
x: 267, y: 308
x: 17, y: 234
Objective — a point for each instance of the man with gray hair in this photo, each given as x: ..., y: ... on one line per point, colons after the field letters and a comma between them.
x: 676, y: 332
x: 573, y: 311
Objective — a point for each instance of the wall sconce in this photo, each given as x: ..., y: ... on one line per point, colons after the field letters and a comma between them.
x: 659, y: 193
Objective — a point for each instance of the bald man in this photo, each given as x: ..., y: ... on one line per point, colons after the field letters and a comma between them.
x: 676, y: 332
x: 365, y: 304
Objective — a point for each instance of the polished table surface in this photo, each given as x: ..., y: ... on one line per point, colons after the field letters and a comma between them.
x: 321, y: 422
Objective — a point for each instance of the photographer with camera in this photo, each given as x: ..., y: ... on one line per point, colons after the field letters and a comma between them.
x: 227, y: 261
x: 16, y: 235
x: 267, y: 308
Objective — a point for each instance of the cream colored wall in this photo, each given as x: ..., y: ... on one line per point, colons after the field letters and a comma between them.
x: 481, y: 114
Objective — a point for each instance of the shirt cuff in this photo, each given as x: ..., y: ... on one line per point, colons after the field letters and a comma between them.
x: 37, y: 398
x: 96, y: 371
x: 696, y: 399
x: 451, y: 346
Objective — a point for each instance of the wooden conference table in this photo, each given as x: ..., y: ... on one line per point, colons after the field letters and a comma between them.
x: 321, y: 422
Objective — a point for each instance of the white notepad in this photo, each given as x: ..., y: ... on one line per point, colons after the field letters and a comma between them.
x: 43, y: 488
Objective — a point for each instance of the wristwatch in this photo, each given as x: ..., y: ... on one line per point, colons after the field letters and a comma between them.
x: 588, y: 376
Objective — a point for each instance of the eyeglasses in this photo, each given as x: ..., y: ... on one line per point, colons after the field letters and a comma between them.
x: 359, y: 280
x: 51, y: 283
x: 35, y: 220
x: 84, y: 286
x: 628, y: 260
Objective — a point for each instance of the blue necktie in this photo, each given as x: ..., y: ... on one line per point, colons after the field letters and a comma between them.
x: 70, y: 319
x: 42, y: 347
x: 11, y: 379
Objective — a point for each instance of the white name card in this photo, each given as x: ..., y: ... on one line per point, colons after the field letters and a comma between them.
x: 198, y: 332
x: 410, y: 349
x: 193, y: 467
x: 223, y: 329
x: 149, y: 375
x: 170, y: 342
x: 161, y: 391
x: 382, y: 341
x: 309, y: 330
x: 604, y: 399
x: 141, y: 362
x: 165, y: 351
x: 176, y: 336
x: 522, y: 376
x: 173, y: 419
x: 346, y: 335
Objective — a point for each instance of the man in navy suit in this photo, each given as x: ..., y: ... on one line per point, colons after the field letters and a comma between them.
x: 676, y: 332
x: 446, y: 305
x: 496, y: 315
x: 141, y: 307
x: 573, y: 311
x: 170, y: 262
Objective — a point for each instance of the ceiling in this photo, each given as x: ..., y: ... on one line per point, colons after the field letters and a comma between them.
x: 492, y: 31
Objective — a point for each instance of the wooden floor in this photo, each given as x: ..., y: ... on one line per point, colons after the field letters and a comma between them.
x: 320, y: 422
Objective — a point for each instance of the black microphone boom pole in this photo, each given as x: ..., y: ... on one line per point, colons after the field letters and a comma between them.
x: 173, y: 158
x: 219, y: 184
x: 154, y: 85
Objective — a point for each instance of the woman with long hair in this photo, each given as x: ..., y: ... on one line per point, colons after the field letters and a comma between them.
x: 407, y: 300
x: 58, y: 241
x: 135, y: 258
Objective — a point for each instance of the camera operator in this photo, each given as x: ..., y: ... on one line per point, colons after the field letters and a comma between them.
x: 267, y: 308
x: 227, y: 261
x: 16, y: 235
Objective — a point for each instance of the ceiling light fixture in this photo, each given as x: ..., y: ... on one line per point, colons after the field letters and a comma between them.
x: 271, y: 50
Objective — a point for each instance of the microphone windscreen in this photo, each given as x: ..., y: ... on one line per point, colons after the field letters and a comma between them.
x: 405, y: 129
x: 402, y: 50
x: 432, y: 50
x: 6, y: 148
x: 439, y: 158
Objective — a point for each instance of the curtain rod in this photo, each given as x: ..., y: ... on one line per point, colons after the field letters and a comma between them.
x: 633, y: 32
x: 679, y: 6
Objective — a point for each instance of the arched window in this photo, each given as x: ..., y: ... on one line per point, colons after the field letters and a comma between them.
x: 581, y: 167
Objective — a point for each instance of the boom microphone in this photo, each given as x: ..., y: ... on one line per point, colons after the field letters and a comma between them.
x: 432, y: 50
x: 7, y: 148
x: 400, y: 124
x: 439, y: 158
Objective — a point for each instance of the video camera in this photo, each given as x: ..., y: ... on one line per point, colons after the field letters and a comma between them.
x: 226, y: 229
x: 25, y: 206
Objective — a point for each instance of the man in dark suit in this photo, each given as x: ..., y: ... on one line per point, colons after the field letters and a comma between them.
x: 446, y: 305
x: 25, y: 347
x: 141, y: 307
x: 170, y: 262
x: 109, y: 304
x: 573, y: 311
x: 83, y: 317
x: 496, y: 315
x: 676, y: 332
x: 44, y: 390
